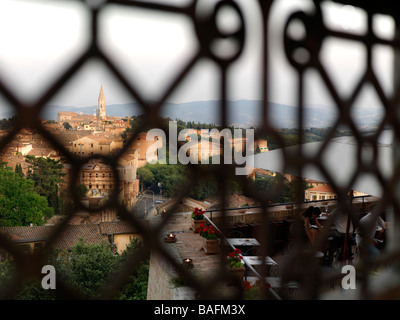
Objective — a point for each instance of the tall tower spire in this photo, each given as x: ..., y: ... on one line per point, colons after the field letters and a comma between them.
x: 101, y: 110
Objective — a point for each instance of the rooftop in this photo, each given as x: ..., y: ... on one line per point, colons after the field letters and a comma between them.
x: 70, y: 235
x: 324, y: 188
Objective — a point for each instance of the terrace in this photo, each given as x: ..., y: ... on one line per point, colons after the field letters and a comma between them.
x: 243, y: 226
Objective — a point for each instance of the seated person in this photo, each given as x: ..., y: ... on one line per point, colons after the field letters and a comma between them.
x: 340, y: 223
x: 306, y: 227
x: 367, y: 228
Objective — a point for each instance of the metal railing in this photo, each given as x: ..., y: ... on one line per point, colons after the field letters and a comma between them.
x: 292, y: 205
x: 249, y: 266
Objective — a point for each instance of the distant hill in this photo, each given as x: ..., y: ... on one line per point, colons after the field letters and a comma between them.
x: 240, y: 113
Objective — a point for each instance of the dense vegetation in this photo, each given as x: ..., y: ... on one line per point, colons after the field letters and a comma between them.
x: 7, y: 124
x: 32, y: 199
x: 288, y: 190
x: 87, y: 268
x: 46, y: 174
x: 174, y: 177
x: 20, y: 204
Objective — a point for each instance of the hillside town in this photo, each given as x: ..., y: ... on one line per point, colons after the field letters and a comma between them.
x: 96, y: 137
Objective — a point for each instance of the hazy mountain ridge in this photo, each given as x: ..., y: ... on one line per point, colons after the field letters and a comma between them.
x: 240, y: 113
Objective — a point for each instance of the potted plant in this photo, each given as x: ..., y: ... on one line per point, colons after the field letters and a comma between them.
x: 235, y: 265
x: 210, y: 241
x: 254, y: 292
x: 197, y: 219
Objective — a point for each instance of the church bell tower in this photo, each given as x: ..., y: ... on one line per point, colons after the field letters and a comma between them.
x: 101, y: 110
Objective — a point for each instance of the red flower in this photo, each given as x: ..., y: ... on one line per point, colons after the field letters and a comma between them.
x: 267, y: 285
x: 246, y: 285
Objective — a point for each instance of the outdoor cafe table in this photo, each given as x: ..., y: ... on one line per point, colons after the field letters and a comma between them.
x: 243, y: 242
x: 248, y: 246
x: 256, y: 262
x: 276, y: 283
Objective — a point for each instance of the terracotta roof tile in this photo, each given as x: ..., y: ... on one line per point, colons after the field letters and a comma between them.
x: 66, y: 239
x: 116, y: 227
x: 324, y: 188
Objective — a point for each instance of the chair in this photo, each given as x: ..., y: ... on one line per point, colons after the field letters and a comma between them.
x: 250, y: 252
x: 236, y: 234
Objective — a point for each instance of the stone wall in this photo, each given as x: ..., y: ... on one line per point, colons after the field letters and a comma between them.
x: 161, y: 284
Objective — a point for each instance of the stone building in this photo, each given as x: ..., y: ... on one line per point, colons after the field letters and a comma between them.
x: 261, y: 144
x: 99, y: 178
x: 128, y: 164
x: 325, y: 192
x: 75, y: 120
x: 94, y: 144
x: 141, y: 146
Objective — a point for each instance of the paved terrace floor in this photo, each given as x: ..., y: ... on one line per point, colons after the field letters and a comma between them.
x: 189, y: 245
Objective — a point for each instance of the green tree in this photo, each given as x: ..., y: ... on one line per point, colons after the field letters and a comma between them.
x: 67, y: 126
x: 297, y: 188
x: 88, y: 267
x: 82, y: 190
x: 7, y: 124
x: 145, y: 176
x: 172, y: 177
x: 47, y: 174
x: 267, y: 184
x: 20, y: 205
x: 18, y: 170
x: 207, y: 187
x: 136, y: 287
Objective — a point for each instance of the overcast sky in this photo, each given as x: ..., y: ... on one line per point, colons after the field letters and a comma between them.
x: 39, y: 39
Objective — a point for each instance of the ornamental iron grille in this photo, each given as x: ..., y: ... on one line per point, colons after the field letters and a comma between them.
x: 303, y: 52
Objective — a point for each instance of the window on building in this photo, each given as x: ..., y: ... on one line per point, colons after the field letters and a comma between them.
x: 37, y: 246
